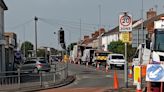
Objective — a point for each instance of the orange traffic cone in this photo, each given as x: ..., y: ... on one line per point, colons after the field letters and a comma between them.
x: 115, y: 84
x: 130, y: 72
x: 139, y: 85
x: 98, y: 66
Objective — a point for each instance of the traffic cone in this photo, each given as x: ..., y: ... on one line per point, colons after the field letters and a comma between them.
x: 130, y: 72
x: 78, y: 62
x: 138, y: 89
x: 98, y: 66
x: 86, y: 64
x: 115, y: 84
x: 106, y: 68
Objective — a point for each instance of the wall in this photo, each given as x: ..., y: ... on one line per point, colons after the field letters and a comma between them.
x: 2, y: 48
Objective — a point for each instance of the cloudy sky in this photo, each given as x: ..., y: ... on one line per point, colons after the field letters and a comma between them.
x: 53, y: 14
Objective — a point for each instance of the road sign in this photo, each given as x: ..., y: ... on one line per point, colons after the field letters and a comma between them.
x: 125, y: 36
x: 137, y: 74
x: 155, y: 73
x: 125, y: 22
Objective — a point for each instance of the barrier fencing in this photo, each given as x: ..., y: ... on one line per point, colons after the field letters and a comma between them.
x: 18, y: 80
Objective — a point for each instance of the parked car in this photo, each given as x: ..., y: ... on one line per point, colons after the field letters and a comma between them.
x: 116, y: 60
x: 35, y: 65
x: 55, y: 58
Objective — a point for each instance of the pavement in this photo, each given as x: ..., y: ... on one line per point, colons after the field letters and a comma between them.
x: 67, y: 81
x: 90, y: 89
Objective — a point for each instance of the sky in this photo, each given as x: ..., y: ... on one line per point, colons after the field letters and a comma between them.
x: 76, y: 17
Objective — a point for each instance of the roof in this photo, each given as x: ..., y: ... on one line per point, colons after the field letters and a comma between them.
x: 3, y: 5
x: 151, y: 20
x: 115, y: 30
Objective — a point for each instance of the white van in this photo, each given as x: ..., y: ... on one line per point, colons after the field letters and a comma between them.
x: 116, y: 60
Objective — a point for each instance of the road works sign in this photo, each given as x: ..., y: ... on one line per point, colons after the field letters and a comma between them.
x: 125, y: 22
x: 155, y: 73
x: 137, y: 74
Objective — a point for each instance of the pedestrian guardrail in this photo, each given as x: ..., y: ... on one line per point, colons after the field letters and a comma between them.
x: 18, y: 80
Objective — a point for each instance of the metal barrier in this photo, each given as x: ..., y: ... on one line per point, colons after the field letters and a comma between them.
x: 18, y: 80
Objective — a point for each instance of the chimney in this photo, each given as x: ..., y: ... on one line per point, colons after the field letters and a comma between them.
x: 96, y: 33
x: 102, y: 30
x: 151, y: 13
x: 86, y: 37
x: 93, y: 35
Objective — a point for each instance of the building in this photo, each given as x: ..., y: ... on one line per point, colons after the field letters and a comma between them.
x: 115, y: 35
x: 140, y: 36
x: 3, y: 7
x: 10, y: 47
x: 94, y: 40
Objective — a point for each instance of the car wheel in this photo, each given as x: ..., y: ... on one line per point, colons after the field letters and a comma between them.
x: 48, y: 70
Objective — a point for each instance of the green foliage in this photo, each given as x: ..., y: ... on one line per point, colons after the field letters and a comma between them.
x: 116, y: 47
x: 41, y: 53
x: 54, y: 51
x: 119, y: 47
x: 25, y: 47
x: 70, y: 47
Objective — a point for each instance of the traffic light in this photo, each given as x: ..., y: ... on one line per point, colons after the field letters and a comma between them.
x: 61, y: 36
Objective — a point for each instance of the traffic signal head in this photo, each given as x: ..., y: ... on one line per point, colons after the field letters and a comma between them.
x: 61, y: 36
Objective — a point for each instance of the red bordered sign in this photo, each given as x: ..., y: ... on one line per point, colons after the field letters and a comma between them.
x: 125, y: 22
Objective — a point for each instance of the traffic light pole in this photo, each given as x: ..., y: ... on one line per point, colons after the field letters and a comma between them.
x: 36, y: 19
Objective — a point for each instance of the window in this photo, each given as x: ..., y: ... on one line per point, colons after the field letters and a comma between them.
x: 44, y: 62
x: 117, y: 57
x: 159, y: 42
x: 30, y: 62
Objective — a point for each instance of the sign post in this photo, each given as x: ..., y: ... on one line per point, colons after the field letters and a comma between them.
x: 125, y: 26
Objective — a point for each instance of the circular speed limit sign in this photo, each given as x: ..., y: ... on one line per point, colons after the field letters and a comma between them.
x: 125, y: 22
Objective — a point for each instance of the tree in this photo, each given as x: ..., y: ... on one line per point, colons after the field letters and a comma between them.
x: 41, y: 53
x: 119, y: 47
x: 70, y: 47
x: 116, y: 47
x: 25, y: 47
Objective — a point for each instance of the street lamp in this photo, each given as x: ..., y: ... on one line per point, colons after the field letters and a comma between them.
x: 36, y: 19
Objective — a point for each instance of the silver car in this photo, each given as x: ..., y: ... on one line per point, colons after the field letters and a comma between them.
x: 35, y: 66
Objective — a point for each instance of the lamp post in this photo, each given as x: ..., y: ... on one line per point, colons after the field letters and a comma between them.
x: 36, y: 20
x: 99, y: 40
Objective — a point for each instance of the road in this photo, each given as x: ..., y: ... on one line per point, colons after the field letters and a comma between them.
x: 89, y: 79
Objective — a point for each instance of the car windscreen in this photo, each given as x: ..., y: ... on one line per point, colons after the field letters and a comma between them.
x: 102, y: 54
x: 43, y: 62
x: 30, y: 62
x: 117, y: 57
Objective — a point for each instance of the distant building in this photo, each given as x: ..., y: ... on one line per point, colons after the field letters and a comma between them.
x: 3, y: 7
x: 10, y: 47
x: 94, y: 40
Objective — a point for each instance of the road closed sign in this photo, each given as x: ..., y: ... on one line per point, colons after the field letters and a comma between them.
x: 125, y: 22
x: 155, y: 73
